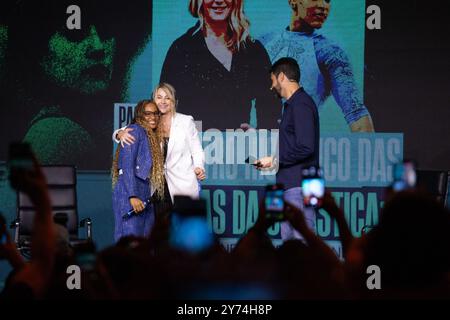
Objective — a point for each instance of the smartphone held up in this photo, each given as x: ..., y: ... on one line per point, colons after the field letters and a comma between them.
x: 313, y: 187
x: 404, y: 175
x: 274, y: 202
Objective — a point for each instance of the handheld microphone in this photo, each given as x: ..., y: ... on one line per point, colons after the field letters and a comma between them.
x: 131, y: 213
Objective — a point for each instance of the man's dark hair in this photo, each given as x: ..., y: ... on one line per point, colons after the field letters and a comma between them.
x: 289, y: 67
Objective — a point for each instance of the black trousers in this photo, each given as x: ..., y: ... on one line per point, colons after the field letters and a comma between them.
x: 164, y: 206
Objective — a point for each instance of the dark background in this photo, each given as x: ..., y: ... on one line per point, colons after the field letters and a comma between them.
x: 407, y: 78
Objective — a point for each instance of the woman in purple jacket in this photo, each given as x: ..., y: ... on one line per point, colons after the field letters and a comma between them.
x: 138, y: 172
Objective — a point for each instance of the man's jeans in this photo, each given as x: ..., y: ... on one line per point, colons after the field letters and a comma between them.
x: 294, y: 197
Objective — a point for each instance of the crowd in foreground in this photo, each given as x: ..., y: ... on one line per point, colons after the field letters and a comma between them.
x: 410, y: 245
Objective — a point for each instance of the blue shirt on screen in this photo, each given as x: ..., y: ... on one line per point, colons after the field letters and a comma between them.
x: 325, y: 69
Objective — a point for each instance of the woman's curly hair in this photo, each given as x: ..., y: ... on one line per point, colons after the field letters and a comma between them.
x: 156, y: 178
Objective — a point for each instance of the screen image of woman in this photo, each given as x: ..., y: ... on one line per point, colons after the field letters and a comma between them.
x: 219, y: 71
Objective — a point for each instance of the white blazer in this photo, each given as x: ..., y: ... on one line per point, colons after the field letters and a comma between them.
x: 184, y: 154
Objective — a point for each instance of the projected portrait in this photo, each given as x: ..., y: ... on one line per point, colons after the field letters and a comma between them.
x: 220, y: 72
x: 63, y: 83
x: 325, y: 67
x: 79, y: 60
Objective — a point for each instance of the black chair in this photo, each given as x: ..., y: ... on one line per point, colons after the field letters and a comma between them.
x: 435, y: 182
x: 61, y: 181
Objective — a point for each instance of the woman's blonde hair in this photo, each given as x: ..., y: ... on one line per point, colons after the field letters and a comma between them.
x: 238, y: 24
x: 154, y: 139
x: 170, y: 91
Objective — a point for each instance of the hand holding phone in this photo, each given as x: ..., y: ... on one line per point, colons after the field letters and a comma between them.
x: 253, y: 162
x: 274, y: 202
x: 313, y: 187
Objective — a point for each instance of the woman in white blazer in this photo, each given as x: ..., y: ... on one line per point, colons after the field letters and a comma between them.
x: 185, y: 159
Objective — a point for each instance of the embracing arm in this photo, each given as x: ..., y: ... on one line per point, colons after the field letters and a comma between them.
x: 123, y: 136
x: 115, y: 138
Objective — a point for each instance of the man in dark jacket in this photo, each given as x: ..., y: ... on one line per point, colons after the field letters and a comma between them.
x: 298, y: 138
